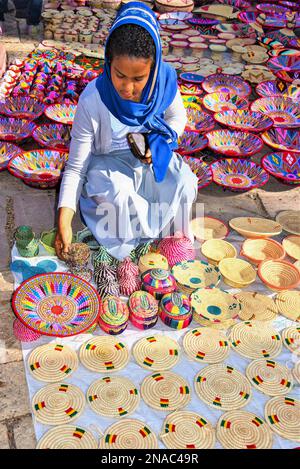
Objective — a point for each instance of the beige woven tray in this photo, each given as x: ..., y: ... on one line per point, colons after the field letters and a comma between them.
x: 104, y: 354
x: 291, y: 339
x: 256, y: 306
x: 67, y: 437
x: 206, y: 345
x: 157, y: 352
x: 129, y: 434
x: 255, y: 339
x: 283, y: 416
x: 270, y: 377
x: 52, y: 362
x: 288, y: 303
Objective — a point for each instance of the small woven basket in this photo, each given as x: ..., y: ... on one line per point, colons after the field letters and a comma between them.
x: 237, y: 273
x: 258, y: 250
x: 217, y: 249
x: 291, y: 245
x: 279, y: 275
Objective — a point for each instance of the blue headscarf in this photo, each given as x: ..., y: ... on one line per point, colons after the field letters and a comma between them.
x: 157, y: 95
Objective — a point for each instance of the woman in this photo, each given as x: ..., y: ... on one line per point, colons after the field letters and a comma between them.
x: 124, y: 200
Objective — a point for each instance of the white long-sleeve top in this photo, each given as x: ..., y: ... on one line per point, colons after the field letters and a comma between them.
x: 95, y: 131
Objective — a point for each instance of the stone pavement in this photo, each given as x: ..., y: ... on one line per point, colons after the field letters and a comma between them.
x: 20, y: 204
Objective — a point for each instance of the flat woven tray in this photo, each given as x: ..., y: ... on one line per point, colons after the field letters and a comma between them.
x: 52, y: 362
x: 256, y: 306
x: 291, y: 339
x: 269, y: 377
x: 206, y: 345
x: 196, y: 274
x: 283, y: 416
x: 158, y: 352
x: 129, y: 434
x: 255, y: 339
x: 67, y: 437
x: 214, y: 305
x: 104, y: 354
x: 288, y: 304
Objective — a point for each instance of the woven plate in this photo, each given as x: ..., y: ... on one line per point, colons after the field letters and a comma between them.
x: 236, y: 272
x: 67, y: 437
x: 158, y: 352
x: 291, y: 339
x: 206, y: 345
x: 296, y: 372
x: 251, y: 227
x: 52, y: 362
x: 288, y: 303
x: 187, y: 430
x: 222, y: 387
x: 269, y: 377
x: 57, y: 404
x: 283, y: 416
x: 290, y: 221
x: 113, y: 396
x: 255, y: 339
x: 214, y: 305
x: 196, y: 274
x: 243, y: 430
x: 165, y: 391
x: 104, y: 354
x: 256, y: 306
x: 129, y: 434
x: 291, y: 245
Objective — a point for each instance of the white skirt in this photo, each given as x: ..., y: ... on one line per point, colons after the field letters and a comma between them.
x: 122, y: 205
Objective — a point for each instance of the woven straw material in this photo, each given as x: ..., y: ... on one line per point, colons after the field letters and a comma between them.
x: 222, y: 387
x: 279, y: 275
x: 153, y: 260
x: 291, y: 245
x: 251, y: 227
x: 217, y: 249
x: 224, y: 325
x: 255, y: 339
x: 238, y: 429
x: 256, y: 306
x: 67, y: 437
x: 143, y: 306
x: 206, y: 345
x: 297, y: 264
x: 290, y: 221
x: 129, y: 434
x: 296, y: 372
x: 288, y: 303
x: 257, y: 250
x: 205, y: 228
x: 269, y: 377
x: 158, y: 352
x: 113, y: 396
x: 291, y: 339
x: 52, y: 362
x: 214, y: 305
x: 195, y: 274
x: 283, y: 416
x: 165, y: 391
x: 57, y: 404
x: 187, y: 430
x: 104, y: 354
x: 23, y: 333
x: 237, y: 273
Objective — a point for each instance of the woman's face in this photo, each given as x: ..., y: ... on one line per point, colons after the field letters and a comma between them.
x: 130, y: 75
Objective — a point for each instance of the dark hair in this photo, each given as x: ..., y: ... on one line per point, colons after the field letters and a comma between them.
x: 131, y: 40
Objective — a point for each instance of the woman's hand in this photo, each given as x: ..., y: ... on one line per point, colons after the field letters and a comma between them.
x: 64, y: 233
x: 148, y: 157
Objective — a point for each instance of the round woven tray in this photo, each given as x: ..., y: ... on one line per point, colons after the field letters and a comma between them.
x: 217, y: 249
x: 206, y: 345
x: 237, y: 273
x: 165, y: 391
x: 288, y: 303
x: 52, y: 362
x: 222, y: 387
x: 57, y: 404
x: 291, y: 245
x: 113, y: 396
x: 269, y: 377
x: 187, y: 430
x: 158, y: 352
x: 290, y: 221
x: 104, y: 354
x: 256, y: 306
x: 255, y: 339
x: 238, y: 429
x: 291, y: 339
x: 283, y: 416
x: 196, y: 274
x: 129, y: 434
x: 296, y: 372
x: 67, y: 437
x: 214, y: 305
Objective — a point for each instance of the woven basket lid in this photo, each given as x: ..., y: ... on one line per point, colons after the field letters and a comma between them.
x: 296, y: 372
x: 238, y: 429
x: 256, y: 306
x: 255, y: 339
x: 165, y: 391
x: 158, y: 279
x: 214, y: 304
x: 282, y: 414
x: 290, y: 221
x: 175, y: 305
x: 57, y: 404
x: 129, y: 434
x: 113, y: 311
x: 104, y: 354
x: 288, y: 303
x: 291, y: 245
x: 113, y: 396
x: 222, y: 387
x: 217, y: 249
x: 237, y: 271
x: 142, y: 305
x: 251, y: 227
x: 196, y: 274
x: 291, y: 339
x: 205, y: 228
x: 206, y: 345
x: 158, y: 352
x: 52, y: 362
x: 269, y: 377
x: 67, y: 437
x: 187, y: 430
x: 153, y: 260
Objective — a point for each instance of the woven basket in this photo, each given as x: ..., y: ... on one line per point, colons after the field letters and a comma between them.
x: 205, y: 228
x: 279, y: 275
x: 258, y: 250
x: 251, y: 227
x: 237, y: 273
x: 291, y: 245
x: 290, y: 221
x: 216, y: 249
x: 297, y: 264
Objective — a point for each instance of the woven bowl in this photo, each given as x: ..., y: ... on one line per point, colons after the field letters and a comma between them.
x: 265, y: 89
x: 279, y: 275
x: 237, y: 273
x: 62, y: 113
x: 205, y: 228
x: 251, y: 227
x: 283, y: 165
x: 222, y: 83
x: 283, y: 139
x: 218, y: 102
x: 7, y: 152
x: 258, y: 250
x: 55, y: 136
x: 200, y: 169
x: 285, y: 112
x: 22, y: 108
x: 244, y: 120
x: 217, y: 249
x: 234, y: 143
x: 14, y: 130
x: 191, y: 142
x: 199, y: 121
x: 238, y: 175
x: 291, y: 245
